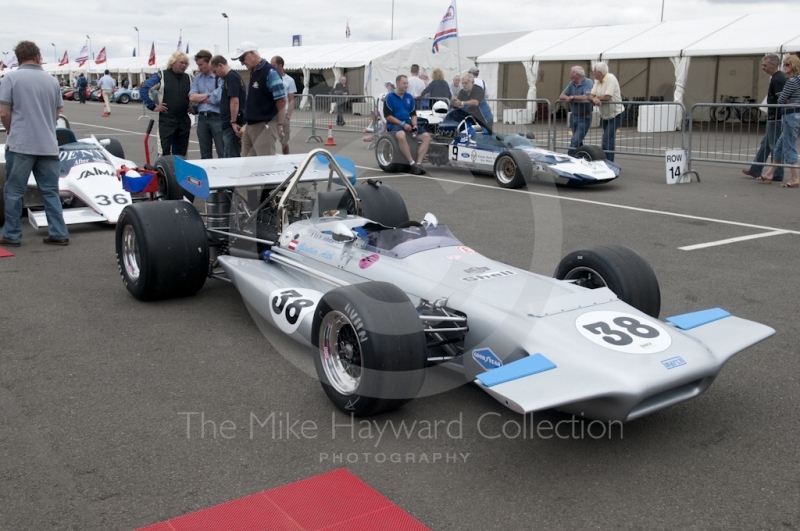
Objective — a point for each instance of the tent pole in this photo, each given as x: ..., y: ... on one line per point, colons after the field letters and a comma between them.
x: 458, y: 39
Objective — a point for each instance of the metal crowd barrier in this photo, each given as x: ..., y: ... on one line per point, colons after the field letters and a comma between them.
x: 731, y: 136
x: 521, y: 116
x: 353, y: 112
x: 645, y: 128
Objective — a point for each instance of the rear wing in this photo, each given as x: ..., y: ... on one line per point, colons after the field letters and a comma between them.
x: 200, y: 176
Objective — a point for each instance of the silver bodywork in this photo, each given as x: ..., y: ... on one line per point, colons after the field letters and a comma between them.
x: 504, y: 315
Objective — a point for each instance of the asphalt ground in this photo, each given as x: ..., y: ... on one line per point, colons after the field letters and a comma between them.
x: 96, y: 387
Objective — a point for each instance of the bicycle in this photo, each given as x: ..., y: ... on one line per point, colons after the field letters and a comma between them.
x: 744, y: 114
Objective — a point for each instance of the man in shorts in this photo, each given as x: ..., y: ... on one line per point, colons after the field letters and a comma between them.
x: 401, y: 118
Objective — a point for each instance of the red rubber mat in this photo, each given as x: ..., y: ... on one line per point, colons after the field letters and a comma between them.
x: 4, y: 253
x: 334, y: 501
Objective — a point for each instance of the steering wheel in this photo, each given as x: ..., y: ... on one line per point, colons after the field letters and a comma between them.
x: 410, y: 223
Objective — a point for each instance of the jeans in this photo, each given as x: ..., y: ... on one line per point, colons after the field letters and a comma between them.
x: 209, y: 127
x: 486, y: 111
x: 46, y: 171
x: 233, y: 144
x: 768, y: 146
x: 610, y: 134
x: 580, y: 126
x: 786, y: 146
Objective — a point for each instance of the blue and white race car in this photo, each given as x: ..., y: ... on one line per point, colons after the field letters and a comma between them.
x: 461, y: 141
x: 126, y: 96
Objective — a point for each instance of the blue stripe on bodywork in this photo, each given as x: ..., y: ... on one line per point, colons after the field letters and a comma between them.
x: 687, y: 321
x: 518, y: 369
x: 191, y: 178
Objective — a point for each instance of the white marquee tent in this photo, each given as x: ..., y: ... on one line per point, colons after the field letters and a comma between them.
x: 684, y: 60
x: 368, y: 65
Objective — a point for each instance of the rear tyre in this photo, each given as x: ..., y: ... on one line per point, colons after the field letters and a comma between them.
x: 372, y: 352
x: 162, y: 250
x: 124, y: 99
x: 590, y: 153
x: 115, y: 148
x: 387, y: 152
x: 507, y: 173
x: 619, y: 268
x: 168, y: 186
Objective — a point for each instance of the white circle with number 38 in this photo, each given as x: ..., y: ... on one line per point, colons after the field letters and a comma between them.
x: 623, y: 332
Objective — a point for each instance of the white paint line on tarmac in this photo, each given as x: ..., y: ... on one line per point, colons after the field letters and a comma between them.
x: 123, y: 130
x: 733, y: 240
x: 590, y: 202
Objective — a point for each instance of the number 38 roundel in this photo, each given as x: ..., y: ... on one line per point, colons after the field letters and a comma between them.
x: 289, y: 306
x: 623, y: 332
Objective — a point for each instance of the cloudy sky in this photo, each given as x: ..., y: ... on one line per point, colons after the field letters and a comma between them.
x: 111, y: 24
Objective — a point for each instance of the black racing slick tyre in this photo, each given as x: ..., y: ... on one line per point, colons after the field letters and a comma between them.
x: 590, y: 153
x: 507, y: 172
x: 387, y: 153
x: 619, y: 268
x: 162, y: 250
x: 114, y: 147
x: 168, y: 186
x: 371, y: 348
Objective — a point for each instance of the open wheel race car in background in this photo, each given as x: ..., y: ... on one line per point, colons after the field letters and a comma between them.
x: 462, y: 141
x: 383, y: 302
x: 96, y: 180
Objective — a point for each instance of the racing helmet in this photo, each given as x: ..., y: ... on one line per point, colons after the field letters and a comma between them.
x: 441, y: 107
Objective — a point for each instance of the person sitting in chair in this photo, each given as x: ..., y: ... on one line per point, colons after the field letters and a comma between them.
x: 401, y: 118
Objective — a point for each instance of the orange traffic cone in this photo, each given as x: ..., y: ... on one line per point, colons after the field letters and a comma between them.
x: 330, y: 141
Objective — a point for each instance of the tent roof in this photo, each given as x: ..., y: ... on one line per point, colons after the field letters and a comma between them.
x: 589, y: 45
x: 668, y: 39
x: 750, y: 35
x: 527, y: 47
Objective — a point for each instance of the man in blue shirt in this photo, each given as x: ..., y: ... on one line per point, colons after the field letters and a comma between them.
x: 401, y: 118
x: 578, y: 95
x: 206, y: 92
x: 265, y: 110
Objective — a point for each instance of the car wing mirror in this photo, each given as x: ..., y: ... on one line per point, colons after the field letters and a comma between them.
x: 430, y: 220
x: 341, y: 233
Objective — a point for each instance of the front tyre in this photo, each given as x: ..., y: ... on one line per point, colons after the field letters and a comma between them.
x: 371, y: 348
x: 617, y: 267
x: 590, y: 153
x: 168, y: 187
x: 507, y: 173
x: 162, y: 250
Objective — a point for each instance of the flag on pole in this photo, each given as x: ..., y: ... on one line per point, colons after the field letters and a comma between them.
x: 134, y: 52
x: 101, y: 57
x: 180, y: 42
x: 64, y: 60
x: 2, y: 66
x: 83, y: 56
x: 12, y: 61
x: 347, y: 30
x: 447, y: 27
x: 187, y: 48
x: 152, y: 60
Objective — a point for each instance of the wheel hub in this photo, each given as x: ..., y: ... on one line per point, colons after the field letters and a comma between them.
x: 340, y: 353
x: 586, y: 277
x: 130, y: 253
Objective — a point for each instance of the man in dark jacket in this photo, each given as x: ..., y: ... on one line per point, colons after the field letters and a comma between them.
x: 173, y: 85
x: 770, y: 64
x: 83, y: 84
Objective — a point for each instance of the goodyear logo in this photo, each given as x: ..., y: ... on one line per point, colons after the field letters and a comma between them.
x: 487, y: 359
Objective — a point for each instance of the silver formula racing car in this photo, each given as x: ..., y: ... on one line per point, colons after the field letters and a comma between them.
x: 462, y: 141
x: 383, y: 302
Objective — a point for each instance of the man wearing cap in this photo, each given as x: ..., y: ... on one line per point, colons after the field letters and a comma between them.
x: 485, y: 110
x: 265, y: 110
